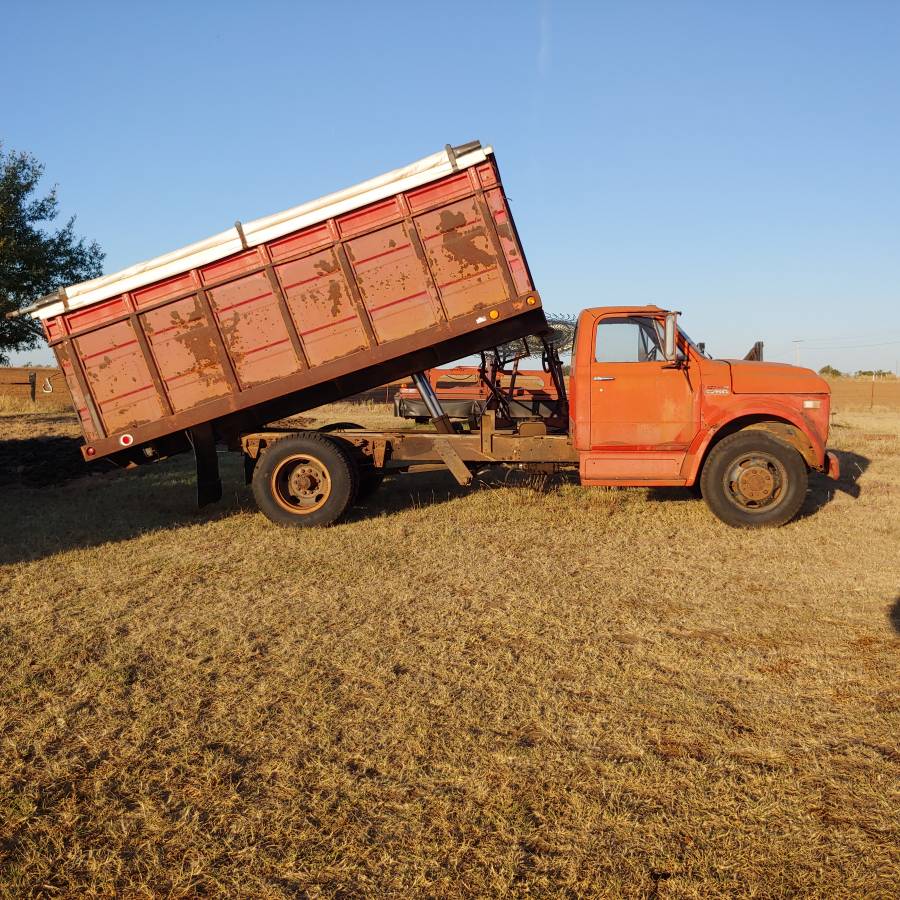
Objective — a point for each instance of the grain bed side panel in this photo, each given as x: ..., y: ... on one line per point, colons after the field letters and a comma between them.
x: 78, y: 399
x: 96, y: 315
x: 181, y: 340
x: 508, y: 240
x: 118, y: 377
x: 340, y: 378
x: 165, y: 290
x: 321, y: 306
x: 254, y: 330
x: 465, y: 269
x: 393, y: 283
x: 358, y: 291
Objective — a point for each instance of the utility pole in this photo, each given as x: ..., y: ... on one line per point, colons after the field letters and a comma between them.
x: 797, y: 344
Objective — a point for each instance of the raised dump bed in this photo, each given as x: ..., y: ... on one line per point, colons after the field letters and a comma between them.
x: 401, y: 273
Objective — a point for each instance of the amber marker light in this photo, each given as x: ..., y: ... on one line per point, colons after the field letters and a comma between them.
x: 494, y: 314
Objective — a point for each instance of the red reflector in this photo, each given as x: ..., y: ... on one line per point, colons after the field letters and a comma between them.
x: 126, y: 440
x: 90, y: 451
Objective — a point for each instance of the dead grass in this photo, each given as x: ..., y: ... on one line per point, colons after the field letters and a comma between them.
x: 516, y: 690
x: 25, y: 405
x: 376, y: 416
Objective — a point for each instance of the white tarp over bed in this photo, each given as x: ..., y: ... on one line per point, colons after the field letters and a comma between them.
x: 266, y: 229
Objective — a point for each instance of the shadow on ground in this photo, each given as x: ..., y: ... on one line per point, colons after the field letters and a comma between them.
x: 894, y: 614
x: 43, y: 516
x: 53, y: 502
x: 409, y: 490
x: 43, y: 461
x: 822, y: 489
x: 673, y: 494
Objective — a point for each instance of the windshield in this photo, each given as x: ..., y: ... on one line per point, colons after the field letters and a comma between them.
x: 662, y: 337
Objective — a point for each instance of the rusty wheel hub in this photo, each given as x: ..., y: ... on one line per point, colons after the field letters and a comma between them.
x: 301, y: 484
x: 304, y: 481
x: 756, y: 482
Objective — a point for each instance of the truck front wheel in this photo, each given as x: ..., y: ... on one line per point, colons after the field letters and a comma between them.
x: 753, y: 480
x: 304, y: 480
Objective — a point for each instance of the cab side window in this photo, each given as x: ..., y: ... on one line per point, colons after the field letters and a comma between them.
x: 628, y: 339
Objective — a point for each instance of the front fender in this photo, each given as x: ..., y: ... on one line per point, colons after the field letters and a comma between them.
x: 754, y: 414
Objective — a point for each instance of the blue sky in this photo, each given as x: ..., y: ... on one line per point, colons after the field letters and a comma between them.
x: 739, y: 162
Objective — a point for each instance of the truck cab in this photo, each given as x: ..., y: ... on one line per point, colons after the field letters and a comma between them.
x: 647, y: 407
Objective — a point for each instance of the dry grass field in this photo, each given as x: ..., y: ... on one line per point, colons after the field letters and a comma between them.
x: 522, y: 689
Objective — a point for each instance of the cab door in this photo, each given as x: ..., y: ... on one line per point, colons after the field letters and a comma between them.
x: 644, y: 412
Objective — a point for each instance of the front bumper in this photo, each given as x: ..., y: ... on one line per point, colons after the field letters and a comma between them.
x: 832, y: 465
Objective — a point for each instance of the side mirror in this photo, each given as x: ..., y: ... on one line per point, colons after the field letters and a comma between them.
x: 671, y: 350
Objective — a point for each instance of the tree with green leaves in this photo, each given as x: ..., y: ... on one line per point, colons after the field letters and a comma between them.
x: 830, y: 372
x: 35, y: 259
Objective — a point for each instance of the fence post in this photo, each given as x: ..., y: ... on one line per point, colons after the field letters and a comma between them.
x: 32, y: 385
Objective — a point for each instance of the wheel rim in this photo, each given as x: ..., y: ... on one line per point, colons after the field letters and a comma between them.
x: 755, y: 482
x: 301, y: 484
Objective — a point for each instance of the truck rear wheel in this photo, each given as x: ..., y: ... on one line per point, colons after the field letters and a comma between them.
x: 752, y: 480
x: 369, y: 478
x: 304, y: 480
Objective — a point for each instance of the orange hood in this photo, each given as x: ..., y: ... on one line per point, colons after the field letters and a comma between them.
x: 754, y: 377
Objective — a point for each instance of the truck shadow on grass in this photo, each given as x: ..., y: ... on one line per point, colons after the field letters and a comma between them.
x: 410, y: 490
x: 894, y: 614
x: 822, y: 490
x: 52, y: 502
x: 45, y: 460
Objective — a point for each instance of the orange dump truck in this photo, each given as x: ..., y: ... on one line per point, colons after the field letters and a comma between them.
x: 209, y: 344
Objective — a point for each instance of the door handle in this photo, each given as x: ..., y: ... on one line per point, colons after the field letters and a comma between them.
x: 604, y: 378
